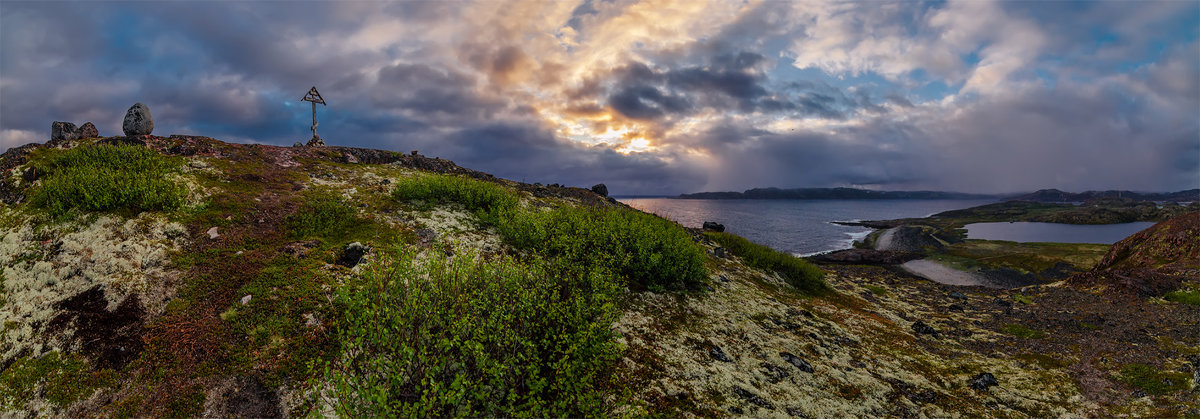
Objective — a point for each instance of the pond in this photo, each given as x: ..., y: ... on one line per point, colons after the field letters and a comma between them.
x: 1054, y: 232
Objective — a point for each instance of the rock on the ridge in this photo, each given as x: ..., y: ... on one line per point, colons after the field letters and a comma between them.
x: 138, y: 121
x: 63, y: 131
x: 600, y: 189
x: 88, y: 130
x: 316, y: 142
x: 298, y: 144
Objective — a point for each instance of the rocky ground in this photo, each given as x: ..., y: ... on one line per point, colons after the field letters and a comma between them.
x: 212, y: 310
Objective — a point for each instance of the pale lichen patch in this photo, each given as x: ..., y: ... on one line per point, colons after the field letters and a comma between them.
x: 46, y: 265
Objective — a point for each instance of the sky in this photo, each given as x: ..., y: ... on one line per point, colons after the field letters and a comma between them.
x: 654, y: 97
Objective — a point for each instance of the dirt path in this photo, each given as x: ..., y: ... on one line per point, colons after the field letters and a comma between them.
x: 943, y: 274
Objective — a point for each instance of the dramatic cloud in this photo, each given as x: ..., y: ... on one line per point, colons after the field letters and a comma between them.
x: 650, y: 97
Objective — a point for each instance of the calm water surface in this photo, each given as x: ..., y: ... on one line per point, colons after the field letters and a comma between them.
x: 794, y: 226
x: 1055, y: 233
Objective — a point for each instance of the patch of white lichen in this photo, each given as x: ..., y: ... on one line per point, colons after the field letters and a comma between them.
x: 49, y: 263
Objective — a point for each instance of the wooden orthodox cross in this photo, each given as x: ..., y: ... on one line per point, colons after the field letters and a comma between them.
x: 314, y: 97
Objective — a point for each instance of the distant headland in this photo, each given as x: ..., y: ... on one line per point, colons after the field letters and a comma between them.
x: 1044, y: 195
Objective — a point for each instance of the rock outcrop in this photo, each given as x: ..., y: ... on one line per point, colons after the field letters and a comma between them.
x: 600, y: 189
x: 63, y: 131
x: 88, y: 130
x: 138, y: 121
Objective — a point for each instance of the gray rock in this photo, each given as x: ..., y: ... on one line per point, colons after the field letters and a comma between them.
x: 316, y: 141
x: 246, y: 299
x: 212, y: 233
x: 982, y: 381
x: 712, y: 226
x: 600, y: 189
x: 298, y: 144
x: 719, y: 252
x: 921, y: 328
x: 752, y: 398
x: 353, y: 254
x: 88, y: 130
x: 797, y: 362
x: 138, y: 121
x: 63, y: 131
x: 716, y: 353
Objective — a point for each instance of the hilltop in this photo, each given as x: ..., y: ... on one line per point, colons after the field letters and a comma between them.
x: 186, y: 276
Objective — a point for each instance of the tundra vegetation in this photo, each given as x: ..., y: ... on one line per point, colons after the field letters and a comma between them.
x: 190, y: 277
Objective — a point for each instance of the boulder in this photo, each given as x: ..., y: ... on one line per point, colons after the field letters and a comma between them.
x: 353, y: 254
x: 63, y: 131
x: 711, y: 226
x: 88, y: 130
x: 921, y: 328
x: 982, y: 381
x: 600, y: 189
x: 138, y: 121
x: 298, y: 144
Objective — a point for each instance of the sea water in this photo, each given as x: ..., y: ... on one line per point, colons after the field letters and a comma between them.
x: 1054, y: 233
x: 801, y: 227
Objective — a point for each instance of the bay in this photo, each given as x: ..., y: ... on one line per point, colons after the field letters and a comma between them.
x: 801, y: 227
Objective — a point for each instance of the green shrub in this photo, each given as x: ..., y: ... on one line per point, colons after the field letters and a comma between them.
x: 797, y: 272
x: 323, y: 214
x: 466, y: 337
x: 106, y: 178
x: 646, y: 250
x: 1023, y: 332
x: 1153, y: 381
x: 1184, y: 297
x: 476, y: 195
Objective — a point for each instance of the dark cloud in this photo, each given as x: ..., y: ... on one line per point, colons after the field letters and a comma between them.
x: 1109, y: 101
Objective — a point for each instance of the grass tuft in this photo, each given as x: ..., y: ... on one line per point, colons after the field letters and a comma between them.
x: 106, y: 178
x: 1153, y: 381
x: 438, y: 336
x: 1184, y: 297
x: 799, y: 273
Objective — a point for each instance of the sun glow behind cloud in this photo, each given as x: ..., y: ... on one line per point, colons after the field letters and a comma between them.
x: 654, y: 96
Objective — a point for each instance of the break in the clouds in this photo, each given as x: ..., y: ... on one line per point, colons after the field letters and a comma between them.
x: 650, y: 97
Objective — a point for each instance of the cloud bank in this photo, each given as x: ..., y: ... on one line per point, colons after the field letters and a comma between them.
x: 650, y: 97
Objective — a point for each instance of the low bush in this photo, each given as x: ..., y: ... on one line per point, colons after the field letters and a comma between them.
x: 797, y: 272
x: 106, y: 178
x: 323, y: 214
x: 439, y: 336
x: 646, y: 250
x: 484, y: 197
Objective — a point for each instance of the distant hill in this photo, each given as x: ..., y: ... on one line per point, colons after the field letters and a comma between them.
x: 833, y: 193
x: 1055, y: 195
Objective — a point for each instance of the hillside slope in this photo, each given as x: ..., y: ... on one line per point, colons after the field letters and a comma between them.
x: 205, y: 278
